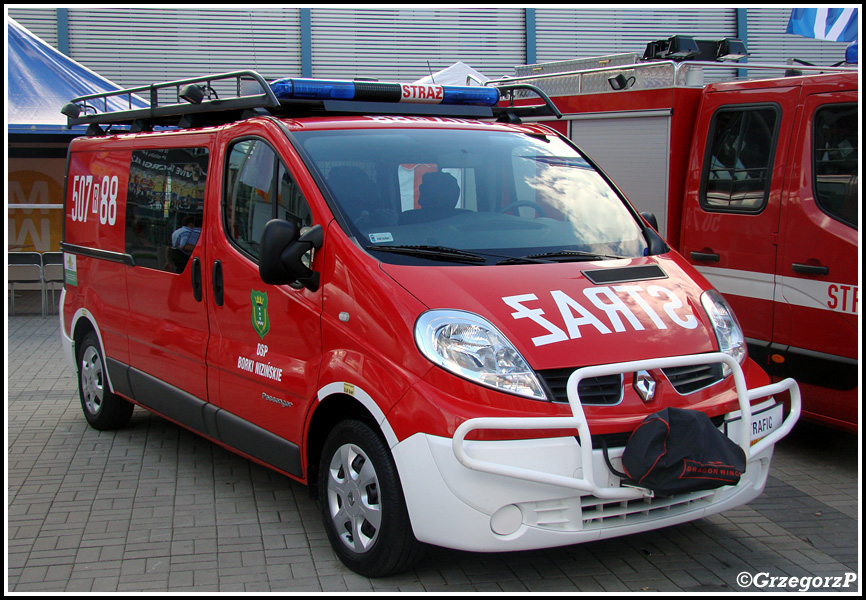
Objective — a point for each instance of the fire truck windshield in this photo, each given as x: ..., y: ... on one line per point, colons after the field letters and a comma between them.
x: 498, y: 194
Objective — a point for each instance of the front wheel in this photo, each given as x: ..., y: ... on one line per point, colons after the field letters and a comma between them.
x: 362, y: 503
x: 102, y: 409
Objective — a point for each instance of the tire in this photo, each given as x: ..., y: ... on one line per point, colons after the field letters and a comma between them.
x: 362, y: 503
x: 103, y: 409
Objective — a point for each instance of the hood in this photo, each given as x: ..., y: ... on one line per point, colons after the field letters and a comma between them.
x: 575, y: 314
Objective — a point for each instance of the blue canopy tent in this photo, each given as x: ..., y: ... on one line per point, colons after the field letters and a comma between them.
x: 40, y: 81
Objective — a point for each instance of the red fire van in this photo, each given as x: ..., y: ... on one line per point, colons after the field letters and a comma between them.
x: 446, y: 322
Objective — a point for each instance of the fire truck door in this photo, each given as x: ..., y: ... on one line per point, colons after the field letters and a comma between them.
x: 817, y: 288
x: 733, y: 198
x: 265, y: 343
x: 165, y: 238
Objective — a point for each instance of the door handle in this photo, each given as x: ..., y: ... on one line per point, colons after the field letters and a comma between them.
x: 810, y: 269
x: 196, y: 279
x: 704, y: 256
x: 217, y: 279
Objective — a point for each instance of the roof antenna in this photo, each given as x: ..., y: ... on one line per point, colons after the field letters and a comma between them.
x: 431, y: 72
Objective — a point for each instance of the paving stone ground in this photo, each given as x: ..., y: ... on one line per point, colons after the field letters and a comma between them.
x: 155, y: 508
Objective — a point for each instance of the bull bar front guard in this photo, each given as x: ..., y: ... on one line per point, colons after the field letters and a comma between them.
x: 578, y: 421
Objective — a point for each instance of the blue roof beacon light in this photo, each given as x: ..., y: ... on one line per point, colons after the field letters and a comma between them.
x: 374, y: 91
x: 455, y: 94
x: 851, y: 53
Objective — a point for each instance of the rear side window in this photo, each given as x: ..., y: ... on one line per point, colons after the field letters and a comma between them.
x: 259, y: 188
x: 165, y: 204
x: 835, y: 161
x: 741, y: 147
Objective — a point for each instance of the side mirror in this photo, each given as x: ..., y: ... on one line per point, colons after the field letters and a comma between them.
x: 651, y: 219
x: 283, y: 253
x: 655, y: 243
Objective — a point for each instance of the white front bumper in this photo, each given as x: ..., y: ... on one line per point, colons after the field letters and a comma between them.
x: 528, y: 494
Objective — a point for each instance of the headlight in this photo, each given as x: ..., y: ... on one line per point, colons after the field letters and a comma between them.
x: 471, y: 347
x: 726, y: 327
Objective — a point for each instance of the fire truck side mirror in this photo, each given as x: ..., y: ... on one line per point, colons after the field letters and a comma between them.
x: 651, y: 219
x: 655, y: 243
x: 285, y: 255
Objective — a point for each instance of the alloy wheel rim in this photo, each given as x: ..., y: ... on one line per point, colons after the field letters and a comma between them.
x: 92, y: 380
x: 353, y: 498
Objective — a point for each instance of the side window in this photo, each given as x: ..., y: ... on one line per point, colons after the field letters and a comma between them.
x: 739, y: 162
x: 259, y: 188
x: 165, y: 204
x: 291, y: 204
x: 835, y: 163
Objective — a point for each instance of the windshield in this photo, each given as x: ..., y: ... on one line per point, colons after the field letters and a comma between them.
x: 417, y: 195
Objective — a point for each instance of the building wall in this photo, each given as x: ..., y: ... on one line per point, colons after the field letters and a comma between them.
x: 137, y: 46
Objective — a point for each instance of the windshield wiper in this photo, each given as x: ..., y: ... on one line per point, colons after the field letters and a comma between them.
x: 558, y: 256
x: 433, y: 252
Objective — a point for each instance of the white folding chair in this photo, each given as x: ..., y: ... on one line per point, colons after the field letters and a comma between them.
x: 52, y: 274
x: 25, y: 268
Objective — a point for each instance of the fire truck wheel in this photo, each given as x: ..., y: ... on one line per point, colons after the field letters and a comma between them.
x: 362, y: 503
x: 102, y: 409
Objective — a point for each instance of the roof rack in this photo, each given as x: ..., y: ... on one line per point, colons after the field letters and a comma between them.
x: 188, y: 102
x: 629, y: 72
x: 194, y: 102
x: 513, y: 114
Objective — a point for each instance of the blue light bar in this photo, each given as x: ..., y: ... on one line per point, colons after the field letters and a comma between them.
x: 851, y: 53
x: 482, y: 96
x: 313, y: 89
x: 374, y: 91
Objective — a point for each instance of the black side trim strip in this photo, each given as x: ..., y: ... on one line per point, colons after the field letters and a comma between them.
x: 806, y: 366
x: 119, y: 374
x: 260, y: 443
x: 622, y: 275
x: 207, y: 419
x: 168, y: 400
x: 118, y: 257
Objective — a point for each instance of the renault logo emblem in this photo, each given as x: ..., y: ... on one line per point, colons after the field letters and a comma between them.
x: 645, y: 385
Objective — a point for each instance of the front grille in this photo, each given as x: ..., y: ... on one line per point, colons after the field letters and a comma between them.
x: 589, y: 513
x: 601, y: 514
x: 692, y: 378
x: 607, y: 390
x: 600, y: 391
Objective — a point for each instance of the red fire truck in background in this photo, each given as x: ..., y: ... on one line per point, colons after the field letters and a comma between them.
x: 754, y: 181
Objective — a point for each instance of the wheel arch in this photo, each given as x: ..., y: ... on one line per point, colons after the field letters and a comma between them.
x: 82, y: 324
x: 340, y: 401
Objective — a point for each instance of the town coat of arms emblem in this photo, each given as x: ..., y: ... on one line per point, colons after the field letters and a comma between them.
x: 261, y: 322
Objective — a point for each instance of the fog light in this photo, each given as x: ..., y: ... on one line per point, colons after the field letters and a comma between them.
x: 506, y: 520
x: 645, y: 385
